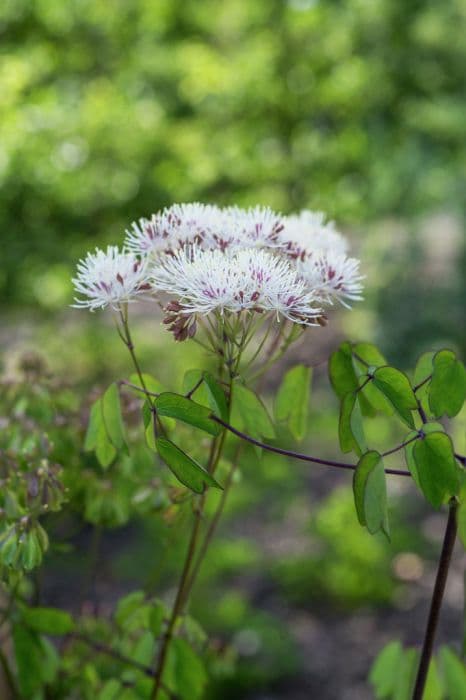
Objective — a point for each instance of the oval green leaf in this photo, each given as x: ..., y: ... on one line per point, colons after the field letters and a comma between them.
x: 436, y: 467
x: 186, y: 470
x: 187, y: 411
x: 370, y: 492
x: 396, y: 387
x: 448, y: 386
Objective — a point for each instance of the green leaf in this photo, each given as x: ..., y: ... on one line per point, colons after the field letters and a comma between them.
x: 454, y: 674
x: 97, y: 438
x: 395, y: 386
x: 105, y: 451
x: 128, y: 605
x: 110, y: 691
x: 370, y: 354
x: 188, y: 670
x: 187, y: 411
x: 216, y: 397
x: 384, y: 670
x: 423, y: 367
x: 186, y: 470
x: 341, y: 371
x: 48, y: 620
x: 410, y: 461
x: 448, y: 386
x: 350, y: 427
x: 406, y: 675
x: 436, y: 467
x: 434, y: 686
x: 292, y: 400
x: 370, y: 492
x: 249, y: 412
x: 156, y: 618
x: 95, y: 426
x: 113, y: 420
x: 28, y: 656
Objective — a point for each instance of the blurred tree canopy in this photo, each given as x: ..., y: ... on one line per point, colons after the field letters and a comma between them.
x: 109, y: 111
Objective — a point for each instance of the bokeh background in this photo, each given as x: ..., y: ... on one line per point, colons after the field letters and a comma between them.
x: 110, y: 111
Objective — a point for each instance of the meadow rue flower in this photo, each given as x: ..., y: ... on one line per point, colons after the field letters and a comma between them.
x: 110, y: 278
x: 207, y: 226
x: 308, y: 232
x: 174, y: 227
x: 210, y: 281
x: 332, y: 275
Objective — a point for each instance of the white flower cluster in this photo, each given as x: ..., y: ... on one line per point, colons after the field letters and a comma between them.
x: 211, y: 259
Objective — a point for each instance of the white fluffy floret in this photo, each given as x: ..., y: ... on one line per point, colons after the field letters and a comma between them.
x: 110, y: 278
x: 207, y: 226
x: 308, y: 232
x: 332, y: 275
x: 173, y: 228
x: 208, y: 281
x: 256, y: 227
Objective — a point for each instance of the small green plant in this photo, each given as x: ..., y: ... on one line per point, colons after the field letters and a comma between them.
x: 245, y: 286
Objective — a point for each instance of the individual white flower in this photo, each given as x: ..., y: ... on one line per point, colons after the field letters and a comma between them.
x: 208, y: 281
x: 110, y: 278
x: 332, y: 275
x: 173, y: 228
x: 308, y: 232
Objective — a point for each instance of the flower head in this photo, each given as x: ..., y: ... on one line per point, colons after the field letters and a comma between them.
x: 110, y: 278
x: 208, y: 281
x: 173, y: 228
x: 205, y: 225
x: 308, y: 232
x: 332, y: 275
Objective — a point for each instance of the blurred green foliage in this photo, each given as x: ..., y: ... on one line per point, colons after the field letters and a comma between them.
x: 109, y: 112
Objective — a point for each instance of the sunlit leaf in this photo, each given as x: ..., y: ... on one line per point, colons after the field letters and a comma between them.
x: 395, y: 386
x: 384, y: 670
x: 187, y: 411
x: 448, y: 386
x: 370, y: 492
x: 113, y: 420
x: 436, y: 467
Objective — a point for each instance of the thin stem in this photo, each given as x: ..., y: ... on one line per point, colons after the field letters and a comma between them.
x: 297, y: 455
x: 421, y: 412
x: 123, y: 382
x: 213, y: 523
x: 167, y: 637
x: 436, y: 603
x: 400, y: 447
x: 424, y: 381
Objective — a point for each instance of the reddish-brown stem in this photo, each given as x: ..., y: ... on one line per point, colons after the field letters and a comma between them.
x: 436, y: 603
x: 299, y: 455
